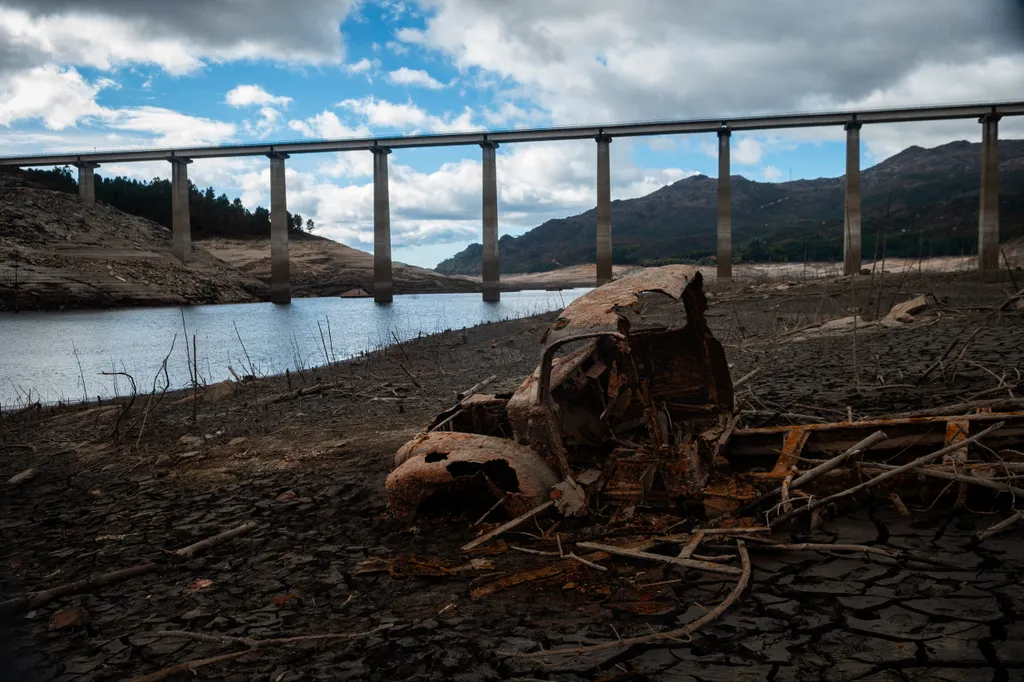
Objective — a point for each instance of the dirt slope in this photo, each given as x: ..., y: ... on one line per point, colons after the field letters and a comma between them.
x: 321, y: 267
x: 57, y: 253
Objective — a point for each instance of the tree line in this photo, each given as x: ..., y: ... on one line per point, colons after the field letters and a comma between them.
x: 210, y: 215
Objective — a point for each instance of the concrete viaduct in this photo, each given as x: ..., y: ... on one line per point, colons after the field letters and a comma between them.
x: 988, y: 219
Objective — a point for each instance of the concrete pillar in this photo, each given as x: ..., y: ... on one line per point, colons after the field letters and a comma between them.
x: 280, y: 277
x: 492, y: 284
x: 724, y: 206
x: 383, y: 288
x: 181, y: 227
x: 87, y: 182
x: 988, y: 214
x: 851, y: 210
x: 604, y: 212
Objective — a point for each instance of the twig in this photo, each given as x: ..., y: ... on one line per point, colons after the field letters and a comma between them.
x: 909, y: 466
x: 255, y: 645
x: 823, y: 547
x: 746, y: 377
x: 410, y: 374
x: 649, y: 556
x: 572, y: 555
x: 678, y: 633
x: 34, y: 599
x: 808, y: 476
x: 942, y: 357
x: 952, y: 367
x: 508, y: 526
x: 488, y: 512
x: 1002, y: 525
x: 691, y: 546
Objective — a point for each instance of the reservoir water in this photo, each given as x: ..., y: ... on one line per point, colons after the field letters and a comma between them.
x: 51, y: 356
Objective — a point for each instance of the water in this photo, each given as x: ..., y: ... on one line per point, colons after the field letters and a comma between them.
x: 40, y: 352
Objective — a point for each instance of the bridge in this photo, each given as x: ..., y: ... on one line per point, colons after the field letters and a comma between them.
x: 987, y: 114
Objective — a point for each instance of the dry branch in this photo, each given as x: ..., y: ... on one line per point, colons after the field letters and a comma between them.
x: 1002, y: 525
x: 678, y: 633
x: 253, y: 644
x: 34, y: 599
x: 909, y: 466
x: 649, y: 556
x: 508, y: 526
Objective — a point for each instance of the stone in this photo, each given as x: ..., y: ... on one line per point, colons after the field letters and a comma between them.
x: 234, y: 442
x: 67, y: 619
x: 911, y: 307
x: 222, y: 390
x: 190, y: 441
x: 163, y: 462
x: 24, y: 477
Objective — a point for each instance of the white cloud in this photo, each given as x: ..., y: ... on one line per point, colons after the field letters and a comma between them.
x: 59, y: 97
x: 327, y: 125
x: 397, y: 48
x: 179, y: 38
x: 746, y: 151
x: 250, y: 95
x: 415, y: 77
x: 364, y: 67
x: 407, y: 117
x: 171, y: 128
x: 771, y: 174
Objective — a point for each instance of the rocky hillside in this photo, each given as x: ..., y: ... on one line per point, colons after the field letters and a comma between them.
x: 932, y: 197
x: 56, y: 253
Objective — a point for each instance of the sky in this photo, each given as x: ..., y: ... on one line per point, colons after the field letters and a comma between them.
x: 83, y: 75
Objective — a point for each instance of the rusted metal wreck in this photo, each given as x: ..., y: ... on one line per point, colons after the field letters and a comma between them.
x: 632, y: 403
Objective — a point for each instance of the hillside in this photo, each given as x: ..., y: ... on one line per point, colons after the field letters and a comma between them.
x: 322, y: 267
x: 56, y: 253
x: 933, y: 194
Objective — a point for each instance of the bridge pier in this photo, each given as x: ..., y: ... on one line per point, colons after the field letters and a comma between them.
x: 280, y: 276
x: 383, y: 287
x: 724, y: 206
x: 851, y: 213
x: 604, y: 211
x: 181, y: 226
x: 491, y: 273
x: 87, y: 182
x: 988, y: 213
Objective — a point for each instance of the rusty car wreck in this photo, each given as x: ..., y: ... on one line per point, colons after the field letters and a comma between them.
x: 633, y: 403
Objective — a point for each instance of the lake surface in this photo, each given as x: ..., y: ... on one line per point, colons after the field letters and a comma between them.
x: 40, y: 353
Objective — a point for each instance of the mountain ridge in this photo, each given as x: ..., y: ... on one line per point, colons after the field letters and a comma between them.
x: 920, y: 198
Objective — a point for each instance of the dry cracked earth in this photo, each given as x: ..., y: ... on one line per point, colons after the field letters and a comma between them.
x: 326, y: 558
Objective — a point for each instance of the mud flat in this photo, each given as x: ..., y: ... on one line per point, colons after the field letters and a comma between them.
x: 305, y: 458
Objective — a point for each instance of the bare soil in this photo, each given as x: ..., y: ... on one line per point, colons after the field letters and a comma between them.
x: 310, y: 471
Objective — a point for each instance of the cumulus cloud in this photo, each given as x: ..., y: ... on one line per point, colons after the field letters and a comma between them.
x: 363, y: 67
x: 771, y: 174
x: 327, y: 125
x: 249, y: 95
x: 620, y: 61
x: 414, y: 77
x: 171, y: 128
x: 407, y: 116
x: 179, y: 37
x: 59, y: 97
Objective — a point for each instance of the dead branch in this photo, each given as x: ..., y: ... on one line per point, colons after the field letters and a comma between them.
x: 967, y: 343
x: 253, y: 644
x: 410, y: 374
x: 864, y: 445
x: 220, y: 538
x: 822, y: 547
x: 1008, y: 302
x: 678, y: 633
x: 477, y: 387
x: 508, y: 526
x: 909, y: 466
x: 942, y: 357
x: 953, y: 476
x: 34, y: 599
x: 1002, y: 525
x: 189, y: 666
x: 691, y: 546
x: 996, y: 405
x: 649, y: 556
x: 746, y: 377
x: 309, y: 390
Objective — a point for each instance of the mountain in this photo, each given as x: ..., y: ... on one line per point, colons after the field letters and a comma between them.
x: 920, y: 198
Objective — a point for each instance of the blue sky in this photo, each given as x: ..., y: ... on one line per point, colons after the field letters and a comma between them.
x: 105, y: 74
